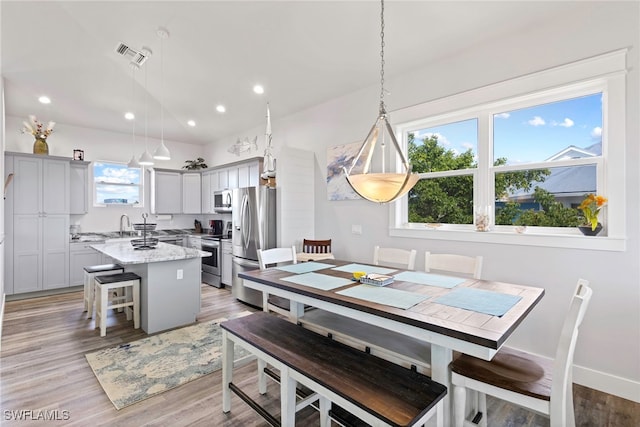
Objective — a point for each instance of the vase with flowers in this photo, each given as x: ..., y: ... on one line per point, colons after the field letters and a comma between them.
x: 37, y: 129
x: 590, y: 207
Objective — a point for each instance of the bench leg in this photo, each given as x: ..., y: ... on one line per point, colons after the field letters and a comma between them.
x: 459, y: 403
x: 104, y: 302
x: 227, y: 371
x: 287, y: 398
x: 262, y: 377
x: 325, y: 406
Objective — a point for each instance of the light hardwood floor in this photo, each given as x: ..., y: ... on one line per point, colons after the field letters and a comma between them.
x: 42, y: 367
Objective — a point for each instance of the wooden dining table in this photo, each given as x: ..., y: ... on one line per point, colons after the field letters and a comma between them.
x: 447, y: 328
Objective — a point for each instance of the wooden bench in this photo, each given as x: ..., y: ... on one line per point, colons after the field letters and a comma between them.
x: 375, y: 390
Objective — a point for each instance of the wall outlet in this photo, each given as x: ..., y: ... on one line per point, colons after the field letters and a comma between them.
x: 356, y: 229
x: 180, y: 274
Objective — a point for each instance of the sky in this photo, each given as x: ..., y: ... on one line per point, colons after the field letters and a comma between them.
x: 116, y: 174
x: 531, y: 134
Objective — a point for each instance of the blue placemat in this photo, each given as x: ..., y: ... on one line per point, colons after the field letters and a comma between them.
x: 488, y: 302
x: 304, y: 267
x: 350, y: 268
x: 387, y: 296
x: 318, y: 281
x: 430, y: 279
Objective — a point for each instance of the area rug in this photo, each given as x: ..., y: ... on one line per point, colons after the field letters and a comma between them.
x: 141, y: 369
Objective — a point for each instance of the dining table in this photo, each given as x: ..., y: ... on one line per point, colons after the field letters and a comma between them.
x: 449, y: 313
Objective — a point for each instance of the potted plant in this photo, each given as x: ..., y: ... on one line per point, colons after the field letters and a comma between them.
x: 590, y: 207
x: 195, y: 164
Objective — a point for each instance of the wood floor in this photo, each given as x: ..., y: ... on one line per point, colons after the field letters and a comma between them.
x: 42, y: 367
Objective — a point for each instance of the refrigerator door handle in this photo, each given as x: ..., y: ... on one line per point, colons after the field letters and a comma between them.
x: 246, y: 221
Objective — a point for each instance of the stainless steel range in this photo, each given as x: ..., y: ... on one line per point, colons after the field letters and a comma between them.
x: 211, y: 266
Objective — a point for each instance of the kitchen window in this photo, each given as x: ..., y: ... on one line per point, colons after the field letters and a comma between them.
x: 117, y: 184
x: 522, y: 153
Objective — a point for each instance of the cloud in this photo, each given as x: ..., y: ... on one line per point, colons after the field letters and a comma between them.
x: 596, y: 132
x: 567, y: 123
x: 536, y: 121
x: 442, y: 140
x: 502, y: 116
x: 468, y: 145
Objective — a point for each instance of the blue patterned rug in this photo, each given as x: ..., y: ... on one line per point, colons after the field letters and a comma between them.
x: 141, y: 369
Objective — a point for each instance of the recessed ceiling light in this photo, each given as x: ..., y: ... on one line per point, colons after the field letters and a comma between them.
x: 191, y: 123
x: 258, y: 89
x: 221, y: 108
x: 129, y: 116
x: 44, y: 99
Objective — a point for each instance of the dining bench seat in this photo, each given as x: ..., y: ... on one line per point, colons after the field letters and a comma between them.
x: 373, y: 389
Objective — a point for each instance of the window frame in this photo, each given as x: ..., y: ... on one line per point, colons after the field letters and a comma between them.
x: 604, y: 73
x: 140, y: 186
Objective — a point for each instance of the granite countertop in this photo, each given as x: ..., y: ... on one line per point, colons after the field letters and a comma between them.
x: 110, y: 235
x: 124, y: 253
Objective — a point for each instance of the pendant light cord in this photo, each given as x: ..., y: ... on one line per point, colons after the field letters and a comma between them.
x: 161, y: 91
x: 382, y: 106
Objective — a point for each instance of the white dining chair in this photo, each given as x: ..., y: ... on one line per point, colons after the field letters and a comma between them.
x: 269, y: 257
x: 394, y: 257
x: 524, y: 379
x: 453, y: 263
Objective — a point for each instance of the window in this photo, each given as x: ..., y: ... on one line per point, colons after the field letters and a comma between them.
x: 525, y: 152
x: 116, y: 184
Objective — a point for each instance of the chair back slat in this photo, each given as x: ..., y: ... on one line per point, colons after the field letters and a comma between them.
x: 316, y: 246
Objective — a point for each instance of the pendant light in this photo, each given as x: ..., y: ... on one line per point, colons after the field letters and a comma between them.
x: 146, y: 159
x: 162, y: 152
x: 133, y: 163
x: 383, y: 186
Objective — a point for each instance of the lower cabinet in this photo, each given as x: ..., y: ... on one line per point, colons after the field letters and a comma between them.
x: 227, y: 262
x: 81, y: 255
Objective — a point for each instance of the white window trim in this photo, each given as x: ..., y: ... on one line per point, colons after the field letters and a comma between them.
x: 607, y: 72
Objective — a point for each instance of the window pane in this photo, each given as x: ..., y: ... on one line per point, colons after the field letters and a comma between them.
x: 116, y: 184
x: 442, y: 200
x: 559, y: 130
x: 543, y: 197
x: 441, y: 148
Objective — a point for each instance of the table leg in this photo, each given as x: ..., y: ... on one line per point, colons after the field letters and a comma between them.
x: 296, y: 311
x: 441, y: 357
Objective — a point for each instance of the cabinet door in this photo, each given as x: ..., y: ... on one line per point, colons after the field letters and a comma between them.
x: 223, y: 179
x: 191, y: 193
x: 55, y: 187
x: 254, y: 174
x: 27, y: 184
x: 79, y: 185
x: 233, y: 178
x: 79, y: 259
x: 27, y: 253
x: 55, y: 251
x: 243, y: 176
x: 207, y: 192
x: 227, y: 264
x: 168, y: 192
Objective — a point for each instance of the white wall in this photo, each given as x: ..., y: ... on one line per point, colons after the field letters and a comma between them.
x: 106, y: 146
x: 608, y: 350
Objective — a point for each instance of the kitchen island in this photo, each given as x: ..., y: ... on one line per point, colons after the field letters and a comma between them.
x: 170, y: 285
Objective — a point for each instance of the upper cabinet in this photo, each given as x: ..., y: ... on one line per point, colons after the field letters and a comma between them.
x: 166, y: 191
x: 79, y: 185
x: 43, y: 187
x: 191, y: 193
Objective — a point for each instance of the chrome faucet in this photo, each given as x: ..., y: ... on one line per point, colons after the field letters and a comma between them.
x: 128, y: 224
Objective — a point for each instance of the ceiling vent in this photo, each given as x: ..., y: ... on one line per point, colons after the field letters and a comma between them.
x: 136, y: 58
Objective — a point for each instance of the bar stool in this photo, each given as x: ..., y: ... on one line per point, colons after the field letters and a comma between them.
x: 130, y: 301
x: 90, y: 273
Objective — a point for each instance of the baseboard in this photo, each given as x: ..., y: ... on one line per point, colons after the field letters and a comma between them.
x: 611, y: 384
x: 601, y: 381
x: 38, y: 294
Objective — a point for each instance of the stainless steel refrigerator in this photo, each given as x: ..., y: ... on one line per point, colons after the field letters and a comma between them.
x: 254, y: 227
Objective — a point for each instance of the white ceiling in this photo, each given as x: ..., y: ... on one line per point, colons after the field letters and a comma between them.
x: 303, y: 52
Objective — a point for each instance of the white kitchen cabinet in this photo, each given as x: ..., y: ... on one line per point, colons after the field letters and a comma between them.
x: 40, y: 216
x: 166, y: 191
x: 233, y: 177
x: 191, y: 193
x: 80, y: 256
x: 249, y: 174
x: 223, y: 180
x: 207, y: 191
x: 79, y: 187
x: 227, y: 261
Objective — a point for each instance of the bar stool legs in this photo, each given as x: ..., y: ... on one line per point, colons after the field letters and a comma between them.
x: 130, y: 301
x: 90, y: 274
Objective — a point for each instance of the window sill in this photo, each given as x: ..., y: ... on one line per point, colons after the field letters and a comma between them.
x: 528, y: 238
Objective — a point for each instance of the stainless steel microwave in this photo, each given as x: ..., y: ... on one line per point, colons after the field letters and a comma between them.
x: 222, y: 201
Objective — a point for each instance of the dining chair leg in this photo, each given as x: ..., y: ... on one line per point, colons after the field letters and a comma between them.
x: 325, y: 406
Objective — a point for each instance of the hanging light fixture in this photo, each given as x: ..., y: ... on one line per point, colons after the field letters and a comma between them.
x: 381, y: 186
x: 162, y: 152
x: 133, y: 163
x: 146, y: 159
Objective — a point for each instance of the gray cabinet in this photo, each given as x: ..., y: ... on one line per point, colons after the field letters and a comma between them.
x: 39, y: 207
x: 79, y: 187
x: 166, y: 191
x: 81, y: 255
x: 227, y: 261
x: 191, y: 193
x: 207, y: 191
